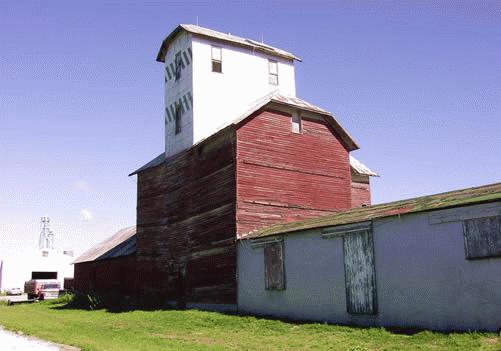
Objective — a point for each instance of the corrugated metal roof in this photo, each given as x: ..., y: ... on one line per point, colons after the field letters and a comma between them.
x: 122, y: 243
x: 229, y: 38
x: 360, y: 168
x: 463, y: 197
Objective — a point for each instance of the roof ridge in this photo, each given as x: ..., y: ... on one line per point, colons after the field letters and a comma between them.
x: 227, y: 37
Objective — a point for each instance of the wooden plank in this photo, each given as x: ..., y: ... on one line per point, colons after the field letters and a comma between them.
x: 482, y: 237
x: 255, y: 244
x: 186, y: 222
x: 274, y: 266
x: 360, y: 275
x: 342, y: 230
x: 464, y: 213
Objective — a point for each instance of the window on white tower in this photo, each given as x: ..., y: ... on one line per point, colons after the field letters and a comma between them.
x: 273, y: 72
x: 178, y: 65
x: 217, y: 59
x: 177, y: 120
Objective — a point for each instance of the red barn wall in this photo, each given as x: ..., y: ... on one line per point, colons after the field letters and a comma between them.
x: 116, y: 275
x: 360, y: 191
x: 284, y: 176
x: 186, y: 225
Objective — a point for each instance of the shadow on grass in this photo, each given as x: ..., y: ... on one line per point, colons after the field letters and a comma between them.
x: 124, y: 304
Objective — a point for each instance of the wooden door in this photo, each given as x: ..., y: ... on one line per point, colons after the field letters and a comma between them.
x: 360, y: 275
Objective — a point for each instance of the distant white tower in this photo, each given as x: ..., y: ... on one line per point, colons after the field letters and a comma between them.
x: 46, y: 241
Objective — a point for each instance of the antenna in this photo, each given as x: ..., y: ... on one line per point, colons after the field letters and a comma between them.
x: 197, y: 20
x: 262, y: 38
x: 46, y: 240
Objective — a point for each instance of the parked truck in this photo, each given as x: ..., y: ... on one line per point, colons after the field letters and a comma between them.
x: 41, y: 289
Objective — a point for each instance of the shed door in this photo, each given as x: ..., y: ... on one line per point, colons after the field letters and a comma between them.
x: 274, y: 266
x: 360, y: 275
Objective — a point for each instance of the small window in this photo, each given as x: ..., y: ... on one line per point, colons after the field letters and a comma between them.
x: 482, y: 237
x: 217, y: 59
x: 177, y: 119
x: 178, y: 65
x: 274, y: 266
x: 296, y: 123
x: 273, y: 72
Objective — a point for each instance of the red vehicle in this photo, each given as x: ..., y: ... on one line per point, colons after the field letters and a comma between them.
x: 41, y: 289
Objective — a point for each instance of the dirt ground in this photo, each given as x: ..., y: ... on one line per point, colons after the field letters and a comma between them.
x: 19, y: 342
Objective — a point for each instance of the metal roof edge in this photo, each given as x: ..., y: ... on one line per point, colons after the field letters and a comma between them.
x: 220, y: 36
x: 158, y: 160
x: 360, y: 168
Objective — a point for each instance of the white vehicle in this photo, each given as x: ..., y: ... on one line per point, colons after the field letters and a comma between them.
x: 14, y: 291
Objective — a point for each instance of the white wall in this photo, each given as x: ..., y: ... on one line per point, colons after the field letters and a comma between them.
x: 17, y: 267
x: 176, y: 90
x: 423, y: 278
x: 220, y: 98
x: 216, y: 99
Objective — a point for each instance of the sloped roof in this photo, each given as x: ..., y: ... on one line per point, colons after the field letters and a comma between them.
x: 279, y: 99
x: 470, y: 196
x: 122, y: 243
x: 360, y: 168
x: 229, y: 38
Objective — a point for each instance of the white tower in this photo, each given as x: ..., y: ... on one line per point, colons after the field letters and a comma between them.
x: 46, y: 241
x: 212, y: 78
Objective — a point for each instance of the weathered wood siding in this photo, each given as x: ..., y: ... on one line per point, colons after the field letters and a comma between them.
x: 284, y: 176
x: 482, y: 237
x: 186, y: 225
x: 360, y: 190
x: 360, y: 273
x: 111, y: 276
x: 274, y: 266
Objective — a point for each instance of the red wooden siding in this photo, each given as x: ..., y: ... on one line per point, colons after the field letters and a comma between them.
x: 115, y: 275
x: 284, y: 176
x: 186, y: 225
x: 360, y: 191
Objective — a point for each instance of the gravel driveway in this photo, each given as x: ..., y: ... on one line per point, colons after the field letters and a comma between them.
x: 17, y: 342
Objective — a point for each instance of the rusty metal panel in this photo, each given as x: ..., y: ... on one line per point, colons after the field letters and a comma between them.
x: 274, y: 266
x: 360, y: 274
x: 482, y: 237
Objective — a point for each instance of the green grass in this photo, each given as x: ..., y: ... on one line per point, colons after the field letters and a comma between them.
x: 197, y: 330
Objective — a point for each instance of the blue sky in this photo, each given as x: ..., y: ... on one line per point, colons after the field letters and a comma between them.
x: 417, y: 83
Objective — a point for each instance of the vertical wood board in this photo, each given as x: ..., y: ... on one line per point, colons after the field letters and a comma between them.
x: 360, y: 274
x: 274, y: 266
x: 482, y: 237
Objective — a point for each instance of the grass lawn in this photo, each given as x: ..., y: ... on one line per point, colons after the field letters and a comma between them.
x: 196, y: 330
